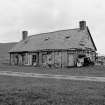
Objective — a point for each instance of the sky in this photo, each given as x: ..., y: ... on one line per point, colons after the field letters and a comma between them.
x: 38, y: 16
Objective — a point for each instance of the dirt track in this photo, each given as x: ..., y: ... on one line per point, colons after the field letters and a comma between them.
x: 67, y: 77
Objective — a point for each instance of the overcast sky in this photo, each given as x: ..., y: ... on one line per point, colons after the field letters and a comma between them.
x: 39, y: 16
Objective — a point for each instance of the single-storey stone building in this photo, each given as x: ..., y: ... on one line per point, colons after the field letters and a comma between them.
x: 55, y: 49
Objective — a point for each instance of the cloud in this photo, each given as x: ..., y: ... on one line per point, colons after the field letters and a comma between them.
x: 49, y: 15
x: 38, y: 16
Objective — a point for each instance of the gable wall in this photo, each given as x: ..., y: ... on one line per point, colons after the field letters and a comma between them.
x: 86, y: 42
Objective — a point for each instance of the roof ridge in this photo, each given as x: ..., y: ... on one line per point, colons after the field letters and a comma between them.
x: 52, y: 32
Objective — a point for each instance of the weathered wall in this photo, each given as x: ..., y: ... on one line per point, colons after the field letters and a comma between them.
x: 71, y: 60
x: 52, y: 59
x: 12, y: 61
x: 57, y: 61
x: 43, y: 60
x: 64, y: 59
x: 20, y: 59
x: 28, y: 59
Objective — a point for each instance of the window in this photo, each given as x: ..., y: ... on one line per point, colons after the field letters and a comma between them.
x: 34, y: 58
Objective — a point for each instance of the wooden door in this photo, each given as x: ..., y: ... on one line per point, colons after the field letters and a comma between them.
x: 70, y: 60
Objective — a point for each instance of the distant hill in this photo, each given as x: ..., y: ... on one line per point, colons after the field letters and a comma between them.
x: 4, y: 48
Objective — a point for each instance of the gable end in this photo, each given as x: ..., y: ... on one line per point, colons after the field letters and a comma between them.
x: 91, y: 39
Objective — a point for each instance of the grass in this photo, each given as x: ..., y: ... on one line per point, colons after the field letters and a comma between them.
x: 83, y: 71
x: 38, y: 91
x: 33, y: 91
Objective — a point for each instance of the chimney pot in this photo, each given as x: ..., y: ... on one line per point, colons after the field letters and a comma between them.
x: 24, y: 35
x: 82, y: 25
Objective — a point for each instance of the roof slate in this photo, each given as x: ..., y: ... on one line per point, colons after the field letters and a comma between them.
x: 63, y: 39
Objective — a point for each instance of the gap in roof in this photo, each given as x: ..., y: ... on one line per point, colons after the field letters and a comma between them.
x: 67, y: 37
x: 47, y: 38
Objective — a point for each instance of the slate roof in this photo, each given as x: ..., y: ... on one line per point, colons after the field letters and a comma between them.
x: 63, y: 39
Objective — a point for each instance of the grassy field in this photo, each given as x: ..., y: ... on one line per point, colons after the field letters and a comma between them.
x: 4, y: 48
x: 38, y: 91
x: 33, y: 91
x: 83, y: 71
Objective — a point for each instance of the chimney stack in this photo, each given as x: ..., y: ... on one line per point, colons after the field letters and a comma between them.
x: 82, y: 25
x: 24, y: 35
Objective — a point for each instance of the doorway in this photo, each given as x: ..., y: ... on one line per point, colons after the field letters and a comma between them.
x: 70, y: 60
x: 34, y: 60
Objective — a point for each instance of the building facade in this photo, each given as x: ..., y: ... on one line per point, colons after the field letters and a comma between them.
x: 64, y: 48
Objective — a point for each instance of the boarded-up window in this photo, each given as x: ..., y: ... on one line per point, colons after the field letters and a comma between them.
x: 49, y: 59
x: 44, y: 58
